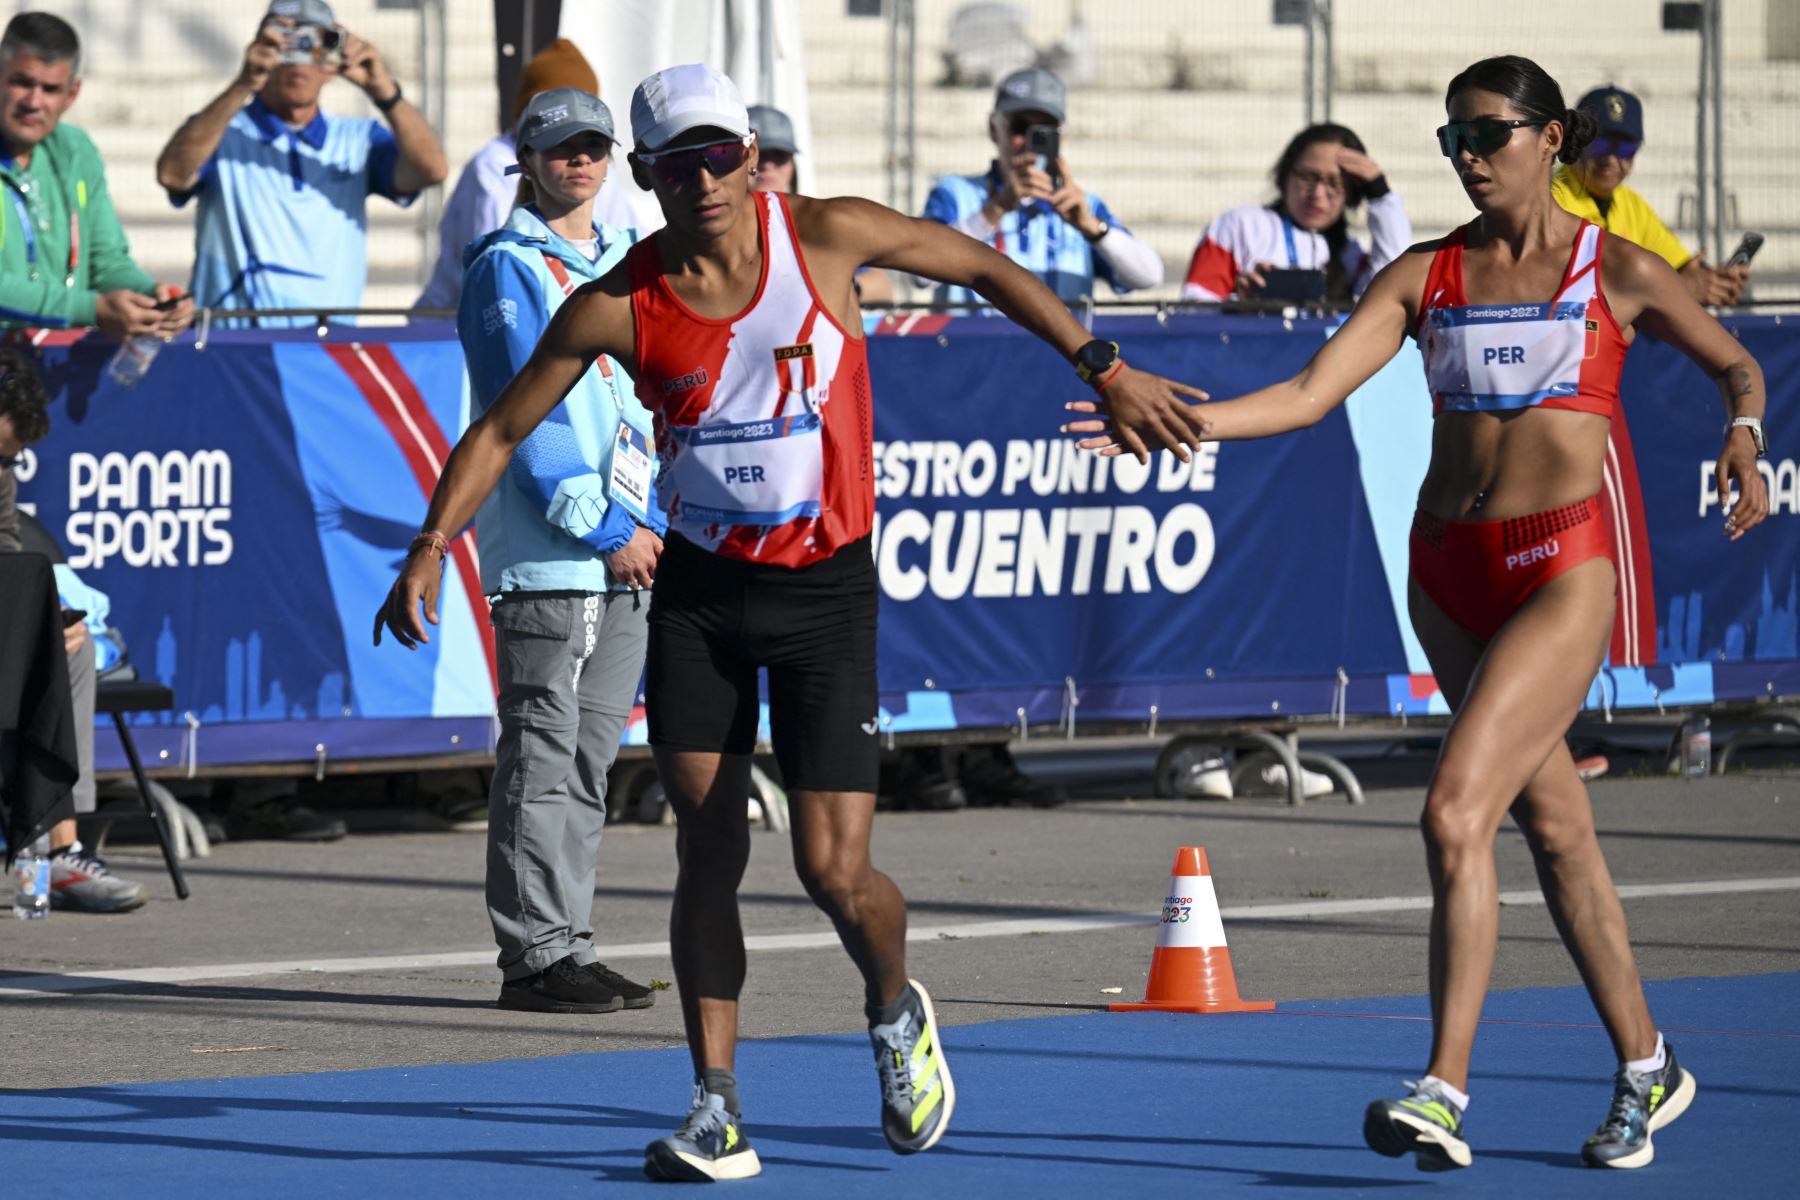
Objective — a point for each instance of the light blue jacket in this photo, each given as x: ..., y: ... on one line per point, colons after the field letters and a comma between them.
x: 546, y: 525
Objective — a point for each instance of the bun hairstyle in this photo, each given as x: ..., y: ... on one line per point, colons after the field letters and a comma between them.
x: 1579, y: 128
x: 1529, y: 89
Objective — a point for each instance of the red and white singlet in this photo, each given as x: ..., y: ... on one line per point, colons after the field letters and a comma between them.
x: 1497, y: 357
x: 763, y: 420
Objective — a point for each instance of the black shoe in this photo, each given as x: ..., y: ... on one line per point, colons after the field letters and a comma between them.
x: 919, y: 783
x: 635, y: 995
x: 990, y: 776
x: 561, y: 987
x: 282, y: 820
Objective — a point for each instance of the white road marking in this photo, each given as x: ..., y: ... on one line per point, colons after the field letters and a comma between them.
x: 23, y: 986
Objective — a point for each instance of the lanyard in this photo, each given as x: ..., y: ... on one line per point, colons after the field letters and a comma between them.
x: 30, y: 231
x: 1287, y: 231
x: 560, y: 273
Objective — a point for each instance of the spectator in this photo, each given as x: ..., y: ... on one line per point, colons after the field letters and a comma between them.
x: 775, y: 172
x: 569, y: 543
x: 79, y: 879
x: 284, y: 188
x: 1593, y: 188
x: 485, y: 193
x: 63, y: 258
x: 1035, y: 212
x: 1323, y: 175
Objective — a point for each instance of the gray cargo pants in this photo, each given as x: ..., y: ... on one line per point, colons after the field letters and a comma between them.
x: 569, y: 667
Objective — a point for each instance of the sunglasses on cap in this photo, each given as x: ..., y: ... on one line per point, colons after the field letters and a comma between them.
x: 678, y: 166
x: 1482, y: 136
x: 1622, y: 148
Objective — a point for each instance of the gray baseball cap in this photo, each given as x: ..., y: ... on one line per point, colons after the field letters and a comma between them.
x: 677, y: 99
x: 773, y: 129
x: 1033, y: 90
x: 553, y: 117
x: 303, y: 12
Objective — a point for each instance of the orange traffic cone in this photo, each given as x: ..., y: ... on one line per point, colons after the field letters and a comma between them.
x: 1190, y: 969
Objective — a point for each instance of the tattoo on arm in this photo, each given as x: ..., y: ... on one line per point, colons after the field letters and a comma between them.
x: 1737, y: 381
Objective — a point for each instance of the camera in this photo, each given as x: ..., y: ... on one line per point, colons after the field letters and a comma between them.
x: 309, y: 45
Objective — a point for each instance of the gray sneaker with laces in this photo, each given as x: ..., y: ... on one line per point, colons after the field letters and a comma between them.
x: 917, y: 1096
x: 709, y: 1146
x: 1641, y: 1105
x: 1426, y: 1123
x: 81, y: 881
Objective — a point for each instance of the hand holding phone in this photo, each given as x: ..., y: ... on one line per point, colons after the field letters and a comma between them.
x: 1746, y: 250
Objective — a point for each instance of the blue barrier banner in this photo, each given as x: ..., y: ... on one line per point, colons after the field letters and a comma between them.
x: 246, y: 507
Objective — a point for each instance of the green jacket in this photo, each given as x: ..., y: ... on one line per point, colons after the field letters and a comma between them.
x: 64, y: 196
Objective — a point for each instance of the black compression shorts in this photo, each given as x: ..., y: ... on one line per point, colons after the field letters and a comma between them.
x: 714, y: 621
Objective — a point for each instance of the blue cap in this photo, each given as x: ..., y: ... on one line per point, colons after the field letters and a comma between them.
x: 1618, y: 112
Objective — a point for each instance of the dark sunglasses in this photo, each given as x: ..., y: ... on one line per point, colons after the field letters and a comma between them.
x: 1623, y: 148
x: 1482, y: 136
x: 678, y: 166
x: 1022, y: 125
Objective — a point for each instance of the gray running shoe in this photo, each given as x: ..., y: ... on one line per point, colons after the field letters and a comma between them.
x: 917, y: 1096
x: 1641, y: 1105
x: 80, y: 880
x: 1427, y: 1123
x: 709, y: 1146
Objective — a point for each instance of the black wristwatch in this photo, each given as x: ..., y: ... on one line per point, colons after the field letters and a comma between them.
x: 387, y: 106
x: 1095, y: 359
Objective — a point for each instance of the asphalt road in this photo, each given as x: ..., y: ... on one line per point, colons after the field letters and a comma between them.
x: 388, y: 896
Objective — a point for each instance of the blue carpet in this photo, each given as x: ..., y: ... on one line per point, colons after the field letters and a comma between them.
x: 1095, y: 1104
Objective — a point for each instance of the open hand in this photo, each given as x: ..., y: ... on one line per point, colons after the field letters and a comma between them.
x: 416, y: 588
x: 1139, y: 412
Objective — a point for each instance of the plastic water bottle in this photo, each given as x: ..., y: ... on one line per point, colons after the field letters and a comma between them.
x: 133, y: 358
x: 1696, y: 748
x: 31, y: 871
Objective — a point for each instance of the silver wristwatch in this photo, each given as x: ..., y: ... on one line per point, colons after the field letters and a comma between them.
x: 1754, y: 425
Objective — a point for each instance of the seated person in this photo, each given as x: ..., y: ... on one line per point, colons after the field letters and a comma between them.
x: 79, y: 880
x: 1323, y: 175
x: 1593, y: 188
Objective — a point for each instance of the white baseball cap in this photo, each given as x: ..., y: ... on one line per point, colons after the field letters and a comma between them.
x: 677, y: 99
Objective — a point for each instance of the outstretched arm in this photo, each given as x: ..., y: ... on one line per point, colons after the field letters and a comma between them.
x: 589, y: 324
x: 867, y: 234
x: 1645, y: 290
x: 1362, y: 347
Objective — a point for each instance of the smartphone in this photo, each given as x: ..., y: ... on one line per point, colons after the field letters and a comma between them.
x: 170, y: 303
x: 309, y: 45
x: 1746, y: 250
x: 1288, y: 283
x: 1045, y: 141
x: 73, y: 616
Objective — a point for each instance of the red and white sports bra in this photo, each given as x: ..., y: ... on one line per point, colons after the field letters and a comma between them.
x: 1499, y: 357
x: 763, y: 419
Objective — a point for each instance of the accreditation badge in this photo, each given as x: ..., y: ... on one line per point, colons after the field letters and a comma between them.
x: 631, y: 471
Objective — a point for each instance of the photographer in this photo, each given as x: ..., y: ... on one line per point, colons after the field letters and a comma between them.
x: 1030, y: 208
x: 283, y: 187
x: 1323, y: 174
x: 64, y: 260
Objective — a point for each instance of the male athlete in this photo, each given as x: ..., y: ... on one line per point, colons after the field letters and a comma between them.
x: 739, y: 321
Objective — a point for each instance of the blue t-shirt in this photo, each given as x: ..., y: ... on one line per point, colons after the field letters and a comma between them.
x: 1032, y: 236
x: 282, y: 216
